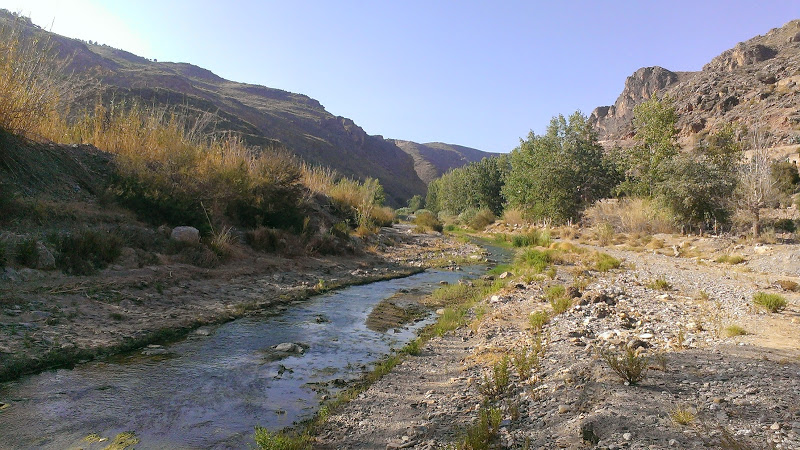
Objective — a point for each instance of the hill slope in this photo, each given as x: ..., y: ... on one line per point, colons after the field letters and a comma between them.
x: 262, y: 115
x: 433, y: 159
x: 755, y: 83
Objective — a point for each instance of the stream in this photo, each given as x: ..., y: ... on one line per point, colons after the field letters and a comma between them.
x: 210, y: 389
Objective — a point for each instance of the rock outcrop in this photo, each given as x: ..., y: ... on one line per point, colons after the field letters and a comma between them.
x: 755, y: 84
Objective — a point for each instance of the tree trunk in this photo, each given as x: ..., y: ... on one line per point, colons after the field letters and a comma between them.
x: 756, y: 225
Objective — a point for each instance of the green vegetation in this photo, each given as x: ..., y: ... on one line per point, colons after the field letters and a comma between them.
x: 560, y: 305
x: 533, y: 238
x: 734, y: 330
x: 630, y: 366
x: 85, y: 252
x: 604, y: 262
x: 534, y: 259
x: 731, y: 259
x: 27, y: 253
x: 682, y: 415
x: 660, y: 284
x: 474, y: 187
x: 482, y: 434
x: 771, y: 302
x: 426, y: 220
x: 538, y: 320
x: 496, y: 384
x: 555, y: 176
x: 280, y: 440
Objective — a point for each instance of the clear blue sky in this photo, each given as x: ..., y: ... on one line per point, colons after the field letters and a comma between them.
x: 480, y: 74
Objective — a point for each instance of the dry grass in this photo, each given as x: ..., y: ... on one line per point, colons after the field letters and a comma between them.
x: 630, y: 216
x: 514, y: 217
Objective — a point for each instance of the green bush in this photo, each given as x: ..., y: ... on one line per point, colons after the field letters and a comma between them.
x: 605, y: 262
x: 85, y: 252
x: 660, y: 284
x: 770, y: 302
x: 555, y: 292
x: 26, y: 253
x: 786, y: 225
x: 482, y: 434
x: 731, y: 259
x: 498, y: 383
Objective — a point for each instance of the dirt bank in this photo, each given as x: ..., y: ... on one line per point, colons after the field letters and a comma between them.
x: 48, y: 319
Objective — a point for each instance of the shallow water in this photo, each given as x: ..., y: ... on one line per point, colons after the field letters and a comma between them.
x: 210, y: 391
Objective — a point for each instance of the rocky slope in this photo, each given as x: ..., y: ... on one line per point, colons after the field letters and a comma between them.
x: 756, y: 83
x: 433, y: 159
x: 262, y: 115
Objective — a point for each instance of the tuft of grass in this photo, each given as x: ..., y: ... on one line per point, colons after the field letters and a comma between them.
x: 85, y: 252
x: 771, y: 302
x: 123, y: 441
x: 268, y: 440
x: 682, y: 415
x: 555, y: 292
x: 537, y: 320
x: 604, y: 233
x: 413, y: 348
x: 660, y: 284
x: 788, y: 285
x: 603, y: 262
x: 734, y: 330
x: 221, y: 242
x: 536, y: 260
x: 533, y: 238
x: 631, y: 367
x: 731, y: 259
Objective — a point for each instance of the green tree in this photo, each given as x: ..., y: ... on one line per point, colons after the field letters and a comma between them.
x: 416, y: 202
x: 645, y: 163
x: 556, y: 175
x: 475, y: 186
x: 697, y: 186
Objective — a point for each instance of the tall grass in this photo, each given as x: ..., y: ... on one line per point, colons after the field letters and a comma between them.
x: 32, y: 78
x: 631, y: 215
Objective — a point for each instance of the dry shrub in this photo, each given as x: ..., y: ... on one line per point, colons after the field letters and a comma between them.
x: 630, y: 215
x: 360, y: 201
x: 514, y: 217
x: 481, y: 220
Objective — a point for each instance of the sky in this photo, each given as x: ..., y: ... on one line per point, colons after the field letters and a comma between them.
x: 475, y: 73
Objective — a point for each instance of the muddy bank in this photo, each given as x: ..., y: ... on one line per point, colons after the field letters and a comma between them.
x: 49, y: 320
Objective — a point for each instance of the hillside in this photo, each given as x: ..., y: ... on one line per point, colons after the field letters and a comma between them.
x: 755, y: 83
x: 262, y: 115
x: 433, y: 159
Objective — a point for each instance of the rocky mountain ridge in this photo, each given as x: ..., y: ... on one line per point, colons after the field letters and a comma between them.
x: 433, y: 159
x: 262, y: 115
x: 756, y: 84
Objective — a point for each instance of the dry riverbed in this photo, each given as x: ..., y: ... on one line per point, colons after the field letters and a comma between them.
x: 705, y: 386
x: 49, y: 320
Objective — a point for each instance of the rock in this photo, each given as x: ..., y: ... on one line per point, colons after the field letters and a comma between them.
x: 637, y: 343
x: 504, y: 275
x: 289, y: 347
x: 563, y: 409
x: 189, y: 235
x: 203, y: 331
x: 627, y: 436
x: 46, y: 259
x: 760, y: 249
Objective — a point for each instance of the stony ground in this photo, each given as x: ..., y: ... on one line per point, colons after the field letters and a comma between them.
x: 729, y: 392
x: 46, y: 313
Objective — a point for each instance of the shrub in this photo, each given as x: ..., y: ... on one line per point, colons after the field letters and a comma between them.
x: 427, y: 220
x: 412, y: 348
x: 280, y: 440
x: 787, y: 225
x: 221, y: 242
x: 484, y: 431
x: 538, y: 320
x: 263, y: 239
x: 513, y: 216
x: 498, y: 382
x: 3, y: 253
x: 526, y: 361
x: 604, y: 233
x: 632, y: 368
x: 84, y: 252
x: 27, y: 253
x: 382, y: 216
x: 481, y: 220
x: 771, y: 302
x: 555, y: 292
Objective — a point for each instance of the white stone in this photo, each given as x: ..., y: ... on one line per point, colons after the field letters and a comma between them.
x: 190, y: 235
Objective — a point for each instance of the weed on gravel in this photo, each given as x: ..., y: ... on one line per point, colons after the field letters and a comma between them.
x: 771, y: 302
x: 630, y: 366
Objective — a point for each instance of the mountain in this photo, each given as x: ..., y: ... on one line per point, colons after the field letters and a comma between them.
x: 433, y: 159
x: 756, y: 83
x: 262, y: 115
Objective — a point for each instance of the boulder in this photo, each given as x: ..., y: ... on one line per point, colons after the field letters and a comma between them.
x: 189, y: 235
x: 46, y: 260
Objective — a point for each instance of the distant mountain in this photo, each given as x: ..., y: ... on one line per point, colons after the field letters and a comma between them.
x: 262, y: 115
x: 757, y: 81
x: 433, y: 159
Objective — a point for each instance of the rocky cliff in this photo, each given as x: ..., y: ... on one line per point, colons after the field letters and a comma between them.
x: 756, y: 83
x: 433, y: 159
